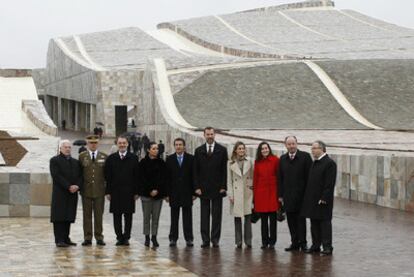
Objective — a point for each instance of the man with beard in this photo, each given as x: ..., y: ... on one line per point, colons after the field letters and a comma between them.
x: 319, y: 198
x: 210, y: 180
x: 121, y: 174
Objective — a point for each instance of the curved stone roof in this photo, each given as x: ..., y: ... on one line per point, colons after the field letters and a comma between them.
x: 322, y: 32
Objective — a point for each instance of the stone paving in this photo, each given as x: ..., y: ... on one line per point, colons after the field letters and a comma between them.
x: 368, y: 241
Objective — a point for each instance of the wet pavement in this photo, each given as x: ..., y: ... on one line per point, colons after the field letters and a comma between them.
x: 368, y: 241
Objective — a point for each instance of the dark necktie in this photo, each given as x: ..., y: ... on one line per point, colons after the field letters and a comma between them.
x: 180, y: 160
x: 209, y: 150
x: 122, y: 156
x: 93, y: 156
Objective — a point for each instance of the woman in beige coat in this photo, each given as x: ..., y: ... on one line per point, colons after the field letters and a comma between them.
x: 240, y: 192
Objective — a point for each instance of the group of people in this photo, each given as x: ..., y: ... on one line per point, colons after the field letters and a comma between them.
x: 304, y: 187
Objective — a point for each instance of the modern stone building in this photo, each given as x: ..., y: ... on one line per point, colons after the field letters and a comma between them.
x: 307, y: 69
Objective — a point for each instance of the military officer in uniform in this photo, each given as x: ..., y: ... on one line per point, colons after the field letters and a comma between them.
x: 93, y: 192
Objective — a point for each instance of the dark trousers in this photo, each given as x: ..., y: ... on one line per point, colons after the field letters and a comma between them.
x: 269, y: 228
x: 187, y: 223
x: 297, y: 228
x: 321, y: 233
x: 61, y: 231
x: 247, y: 230
x: 126, y: 234
x: 213, y: 207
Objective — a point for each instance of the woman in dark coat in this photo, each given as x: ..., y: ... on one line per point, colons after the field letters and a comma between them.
x: 153, y: 190
x: 265, y: 193
x: 67, y: 181
x: 121, y: 174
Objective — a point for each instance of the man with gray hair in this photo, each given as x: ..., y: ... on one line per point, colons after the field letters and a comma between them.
x: 67, y: 181
x: 319, y: 197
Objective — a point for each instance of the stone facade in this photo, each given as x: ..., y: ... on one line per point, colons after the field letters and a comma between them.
x: 36, y: 112
x: 25, y: 194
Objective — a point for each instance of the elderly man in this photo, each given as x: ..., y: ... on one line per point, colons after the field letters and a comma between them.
x: 319, y: 197
x: 292, y: 177
x: 93, y: 191
x: 67, y: 181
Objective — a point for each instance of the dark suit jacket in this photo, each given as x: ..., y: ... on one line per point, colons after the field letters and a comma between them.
x: 180, y: 180
x: 210, y: 173
x: 153, y: 176
x: 321, y: 184
x: 122, y: 182
x: 292, y: 179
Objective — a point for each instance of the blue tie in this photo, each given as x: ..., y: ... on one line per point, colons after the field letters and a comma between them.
x: 180, y: 160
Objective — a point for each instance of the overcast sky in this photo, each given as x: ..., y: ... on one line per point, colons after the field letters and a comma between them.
x: 26, y: 26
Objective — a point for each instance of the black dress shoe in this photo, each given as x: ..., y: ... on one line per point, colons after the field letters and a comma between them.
x: 86, y: 242
x: 264, y: 246
x: 292, y: 247
x: 126, y: 242
x: 147, y: 241
x: 239, y: 246
x: 303, y: 247
x: 155, y: 243
x: 327, y: 251
x: 312, y: 250
x: 173, y: 243
x: 62, y: 244
x: 216, y: 245
x: 100, y: 242
x: 205, y: 245
x: 190, y: 243
x: 119, y: 242
x: 70, y: 243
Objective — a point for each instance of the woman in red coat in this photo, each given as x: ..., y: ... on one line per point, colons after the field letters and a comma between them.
x: 265, y: 193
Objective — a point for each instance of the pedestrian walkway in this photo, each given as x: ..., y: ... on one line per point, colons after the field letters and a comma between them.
x: 368, y: 241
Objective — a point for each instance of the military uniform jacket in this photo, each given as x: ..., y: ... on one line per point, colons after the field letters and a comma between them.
x: 93, y: 174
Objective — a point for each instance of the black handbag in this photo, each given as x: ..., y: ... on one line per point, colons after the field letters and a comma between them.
x: 254, y: 217
x: 281, y: 214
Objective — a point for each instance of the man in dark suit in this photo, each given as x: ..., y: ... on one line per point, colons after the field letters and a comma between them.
x: 67, y: 181
x: 319, y: 197
x: 210, y: 180
x: 292, y: 177
x: 121, y: 174
x: 180, y: 191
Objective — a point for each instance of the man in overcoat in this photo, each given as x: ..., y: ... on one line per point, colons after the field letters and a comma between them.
x: 121, y: 175
x: 93, y: 191
x: 210, y: 181
x: 292, y: 178
x: 180, y: 191
x: 319, y: 198
x: 66, y: 174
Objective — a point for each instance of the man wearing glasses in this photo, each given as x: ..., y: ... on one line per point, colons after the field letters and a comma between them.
x: 93, y: 192
x: 319, y: 198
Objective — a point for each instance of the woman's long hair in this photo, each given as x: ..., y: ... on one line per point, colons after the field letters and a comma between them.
x: 234, y: 153
x: 259, y: 155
